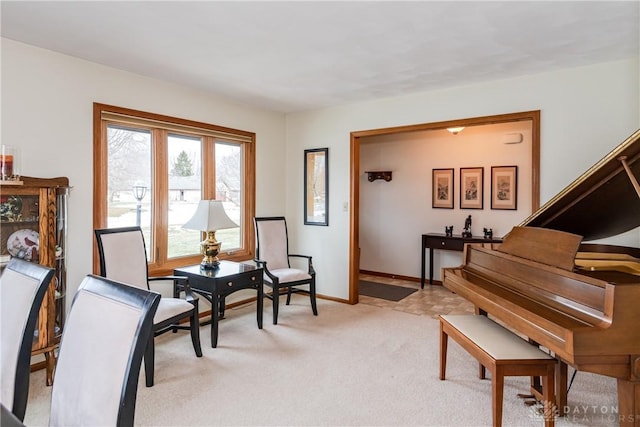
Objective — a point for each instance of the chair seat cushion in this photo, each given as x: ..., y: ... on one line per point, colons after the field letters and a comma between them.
x: 286, y: 275
x: 170, y: 307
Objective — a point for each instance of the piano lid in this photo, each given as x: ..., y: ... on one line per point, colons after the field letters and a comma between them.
x: 602, y: 202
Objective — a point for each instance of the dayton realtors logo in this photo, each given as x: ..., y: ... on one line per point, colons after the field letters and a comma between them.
x: 588, y: 414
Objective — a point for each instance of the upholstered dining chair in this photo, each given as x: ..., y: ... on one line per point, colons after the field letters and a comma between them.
x: 272, y: 254
x: 23, y: 286
x: 123, y: 258
x: 101, y: 350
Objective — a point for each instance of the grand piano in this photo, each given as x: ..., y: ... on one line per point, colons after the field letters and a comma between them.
x: 579, y: 300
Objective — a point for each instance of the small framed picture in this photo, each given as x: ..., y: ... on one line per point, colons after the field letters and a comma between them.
x: 442, y: 188
x: 504, y: 187
x: 471, y: 188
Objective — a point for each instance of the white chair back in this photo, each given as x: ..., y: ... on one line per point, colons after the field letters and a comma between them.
x: 23, y: 286
x: 124, y: 258
x: 101, y: 352
x: 271, y: 242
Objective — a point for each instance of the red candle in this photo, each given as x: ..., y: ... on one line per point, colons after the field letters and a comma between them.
x: 6, y: 165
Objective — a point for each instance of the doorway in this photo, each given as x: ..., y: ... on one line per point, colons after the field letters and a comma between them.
x: 356, y: 140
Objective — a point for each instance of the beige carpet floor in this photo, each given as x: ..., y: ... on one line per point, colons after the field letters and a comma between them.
x: 355, y: 365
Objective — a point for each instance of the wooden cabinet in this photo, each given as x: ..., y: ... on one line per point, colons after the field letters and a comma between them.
x: 33, y: 222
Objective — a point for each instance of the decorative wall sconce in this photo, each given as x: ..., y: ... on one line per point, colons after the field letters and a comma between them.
x: 373, y: 175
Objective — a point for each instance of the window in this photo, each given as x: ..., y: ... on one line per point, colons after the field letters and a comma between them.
x: 152, y: 170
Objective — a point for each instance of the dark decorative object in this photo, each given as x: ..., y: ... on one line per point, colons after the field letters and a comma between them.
x: 448, y: 230
x: 373, y: 175
x: 488, y: 233
x: 467, y: 227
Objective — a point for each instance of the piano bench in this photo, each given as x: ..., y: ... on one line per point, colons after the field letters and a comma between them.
x: 503, y: 353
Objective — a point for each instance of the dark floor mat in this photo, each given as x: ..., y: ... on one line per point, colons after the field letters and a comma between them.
x: 383, y: 291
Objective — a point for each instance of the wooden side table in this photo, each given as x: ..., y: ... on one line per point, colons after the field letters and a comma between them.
x: 215, y: 284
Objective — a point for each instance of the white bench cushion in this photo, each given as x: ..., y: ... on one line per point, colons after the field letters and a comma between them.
x: 497, y: 341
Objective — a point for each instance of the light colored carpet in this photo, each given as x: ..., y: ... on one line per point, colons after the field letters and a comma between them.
x: 350, y: 366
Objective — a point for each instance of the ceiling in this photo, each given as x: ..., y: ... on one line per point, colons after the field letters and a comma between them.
x: 301, y: 55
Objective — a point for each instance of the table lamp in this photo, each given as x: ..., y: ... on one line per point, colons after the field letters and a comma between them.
x: 209, y: 217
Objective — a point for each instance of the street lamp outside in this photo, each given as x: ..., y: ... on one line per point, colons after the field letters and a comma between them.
x: 139, y: 191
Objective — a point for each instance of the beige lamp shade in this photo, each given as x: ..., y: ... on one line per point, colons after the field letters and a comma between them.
x: 210, y: 216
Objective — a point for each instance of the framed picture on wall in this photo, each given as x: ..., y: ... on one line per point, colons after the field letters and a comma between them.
x: 471, y: 188
x: 442, y: 188
x: 504, y: 187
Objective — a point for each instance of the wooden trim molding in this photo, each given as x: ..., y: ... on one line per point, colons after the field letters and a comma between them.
x: 391, y: 276
x: 354, y: 221
x: 161, y: 126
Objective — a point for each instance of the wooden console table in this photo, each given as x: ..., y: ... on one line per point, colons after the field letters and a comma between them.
x: 449, y: 243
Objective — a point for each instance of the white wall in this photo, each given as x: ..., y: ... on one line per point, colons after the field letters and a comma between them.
x: 394, y: 215
x: 47, y: 106
x: 585, y: 112
x: 47, y: 111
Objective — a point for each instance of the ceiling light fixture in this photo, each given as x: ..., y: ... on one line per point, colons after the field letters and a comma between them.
x: 455, y: 130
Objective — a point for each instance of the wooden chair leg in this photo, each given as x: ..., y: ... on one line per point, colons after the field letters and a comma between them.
x: 444, y: 338
x: 50, y: 363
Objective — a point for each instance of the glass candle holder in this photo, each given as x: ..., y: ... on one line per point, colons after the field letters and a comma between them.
x: 8, y: 162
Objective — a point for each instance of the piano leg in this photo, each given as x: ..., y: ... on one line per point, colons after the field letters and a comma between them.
x: 629, y: 403
x: 561, y: 386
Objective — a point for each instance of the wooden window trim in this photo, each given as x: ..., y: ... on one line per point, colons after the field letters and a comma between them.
x: 162, y: 266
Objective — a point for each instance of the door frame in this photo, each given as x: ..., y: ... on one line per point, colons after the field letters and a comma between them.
x: 354, y: 218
